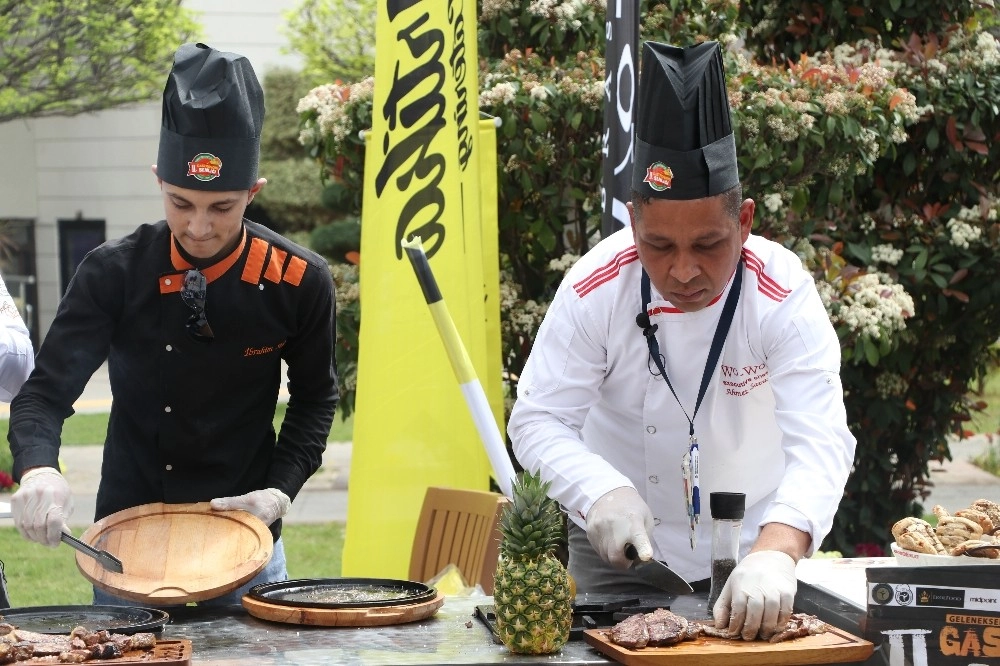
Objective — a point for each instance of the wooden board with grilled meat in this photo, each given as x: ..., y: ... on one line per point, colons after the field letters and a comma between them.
x: 91, y: 647
x: 663, y: 638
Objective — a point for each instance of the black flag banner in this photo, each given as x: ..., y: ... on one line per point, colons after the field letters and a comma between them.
x: 620, y: 75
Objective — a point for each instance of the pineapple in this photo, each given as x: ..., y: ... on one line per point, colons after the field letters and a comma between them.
x: 531, y: 592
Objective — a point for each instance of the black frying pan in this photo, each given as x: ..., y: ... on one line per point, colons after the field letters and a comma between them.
x: 63, y: 619
x: 342, y: 592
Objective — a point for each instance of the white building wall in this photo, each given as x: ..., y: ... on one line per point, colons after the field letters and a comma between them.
x: 18, y: 191
x: 97, y: 166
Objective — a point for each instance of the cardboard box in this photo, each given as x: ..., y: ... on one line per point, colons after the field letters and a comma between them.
x: 935, y: 616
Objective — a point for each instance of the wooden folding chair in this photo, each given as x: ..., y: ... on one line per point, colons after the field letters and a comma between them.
x: 459, y: 527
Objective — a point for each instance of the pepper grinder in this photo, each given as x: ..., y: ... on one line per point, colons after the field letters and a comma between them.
x: 727, y: 522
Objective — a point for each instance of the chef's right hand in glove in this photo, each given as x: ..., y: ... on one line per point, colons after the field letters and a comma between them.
x: 616, y: 519
x: 757, y: 598
x: 42, y: 505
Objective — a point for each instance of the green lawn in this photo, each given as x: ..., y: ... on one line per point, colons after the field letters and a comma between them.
x: 989, y: 419
x: 86, y: 428
x: 40, y: 576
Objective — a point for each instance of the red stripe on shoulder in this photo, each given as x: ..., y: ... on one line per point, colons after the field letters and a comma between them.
x: 607, y: 272
x: 765, y: 283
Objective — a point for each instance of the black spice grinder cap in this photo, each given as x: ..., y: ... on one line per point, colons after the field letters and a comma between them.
x: 727, y: 506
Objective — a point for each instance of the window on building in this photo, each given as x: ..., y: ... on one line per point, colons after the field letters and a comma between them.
x: 77, y: 237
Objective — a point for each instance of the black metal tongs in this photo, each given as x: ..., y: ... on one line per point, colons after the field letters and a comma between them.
x: 103, y: 557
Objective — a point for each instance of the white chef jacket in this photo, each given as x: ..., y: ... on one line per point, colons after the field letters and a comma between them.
x: 17, y: 357
x: 593, y: 415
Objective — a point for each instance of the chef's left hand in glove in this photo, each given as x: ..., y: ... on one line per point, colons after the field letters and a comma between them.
x: 757, y: 598
x: 268, y: 504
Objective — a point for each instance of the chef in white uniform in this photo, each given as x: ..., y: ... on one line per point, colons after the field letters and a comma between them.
x: 687, y: 338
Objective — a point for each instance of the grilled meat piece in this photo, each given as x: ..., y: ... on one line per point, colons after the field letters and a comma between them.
x: 799, y: 624
x: 657, y: 629
x: 142, y: 640
x: 44, y: 643
x: 74, y: 656
x: 667, y: 628
x: 107, y: 650
x: 22, y: 651
x: 632, y: 632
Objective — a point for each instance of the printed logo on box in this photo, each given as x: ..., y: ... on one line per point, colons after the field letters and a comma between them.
x: 899, y: 594
x: 932, y: 596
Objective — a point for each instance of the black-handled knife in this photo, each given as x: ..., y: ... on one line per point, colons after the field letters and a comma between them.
x: 657, y: 573
x: 103, y: 557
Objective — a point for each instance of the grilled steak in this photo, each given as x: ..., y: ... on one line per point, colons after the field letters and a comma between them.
x: 659, y: 628
x: 667, y: 628
x: 44, y: 643
x: 632, y: 632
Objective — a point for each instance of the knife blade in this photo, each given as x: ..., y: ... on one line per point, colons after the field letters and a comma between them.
x: 657, y: 573
x: 103, y: 557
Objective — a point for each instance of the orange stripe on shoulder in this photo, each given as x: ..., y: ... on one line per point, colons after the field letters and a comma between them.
x: 274, y: 265
x: 255, y: 261
x: 171, y: 284
x: 296, y: 269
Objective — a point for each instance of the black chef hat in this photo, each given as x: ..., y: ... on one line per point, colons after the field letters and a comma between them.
x: 213, y: 112
x: 684, y: 144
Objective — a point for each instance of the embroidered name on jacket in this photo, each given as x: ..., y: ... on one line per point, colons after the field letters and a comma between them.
x: 260, y: 351
x: 740, y: 381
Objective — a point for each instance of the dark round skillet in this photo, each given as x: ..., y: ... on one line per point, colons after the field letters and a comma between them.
x: 63, y: 619
x: 342, y: 592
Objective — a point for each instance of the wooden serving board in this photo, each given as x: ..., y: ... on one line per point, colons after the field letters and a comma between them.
x: 165, y: 652
x: 831, y: 647
x: 177, y: 553
x: 343, y: 617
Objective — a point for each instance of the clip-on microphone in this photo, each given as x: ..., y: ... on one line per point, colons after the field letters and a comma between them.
x: 642, y: 321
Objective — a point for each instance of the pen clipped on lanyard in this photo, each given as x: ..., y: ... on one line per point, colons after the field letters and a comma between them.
x: 692, y: 489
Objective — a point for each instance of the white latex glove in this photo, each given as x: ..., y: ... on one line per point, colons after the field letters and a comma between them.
x: 42, y: 505
x: 757, y: 598
x: 268, y: 504
x: 618, y: 518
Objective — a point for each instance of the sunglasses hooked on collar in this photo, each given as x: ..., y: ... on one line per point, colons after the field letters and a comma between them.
x: 193, y: 295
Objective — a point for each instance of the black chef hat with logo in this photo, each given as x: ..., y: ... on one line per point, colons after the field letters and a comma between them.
x: 213, y: 113
x: 684, y: 143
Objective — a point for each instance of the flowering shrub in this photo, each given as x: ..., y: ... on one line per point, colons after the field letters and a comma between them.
x: 784, y: 29
x: 880, y: 167
x: 920, y: 213
x: 330, y: 119
x: 345, y: 279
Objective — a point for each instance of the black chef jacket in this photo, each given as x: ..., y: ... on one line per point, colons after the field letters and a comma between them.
x: 190, y: 420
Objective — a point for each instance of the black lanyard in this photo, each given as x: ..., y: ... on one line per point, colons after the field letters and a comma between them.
x: 649, y: 330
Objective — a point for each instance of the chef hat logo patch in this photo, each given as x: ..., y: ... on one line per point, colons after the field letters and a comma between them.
x: 205, y: 166
x: 659, y: 176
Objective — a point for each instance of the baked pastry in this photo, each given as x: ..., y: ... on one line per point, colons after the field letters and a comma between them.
x: 953, y: 530
x: 990, y: 508
x: 966, y: 548
x: 977, y: 516
x: 917, y: 535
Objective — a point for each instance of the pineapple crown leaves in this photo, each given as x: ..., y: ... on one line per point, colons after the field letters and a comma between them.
x: 531, y: 525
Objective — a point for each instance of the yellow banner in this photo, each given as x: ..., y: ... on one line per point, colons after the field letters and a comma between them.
x: 412, y: 428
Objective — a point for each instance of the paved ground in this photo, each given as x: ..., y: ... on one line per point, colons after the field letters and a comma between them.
x: 324, y: 497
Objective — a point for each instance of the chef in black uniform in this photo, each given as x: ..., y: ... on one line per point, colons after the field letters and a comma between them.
x: 194, y: 315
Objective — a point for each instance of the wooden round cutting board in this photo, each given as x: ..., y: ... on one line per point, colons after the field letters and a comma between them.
x: 177, y: 553
x: 343, y: 617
